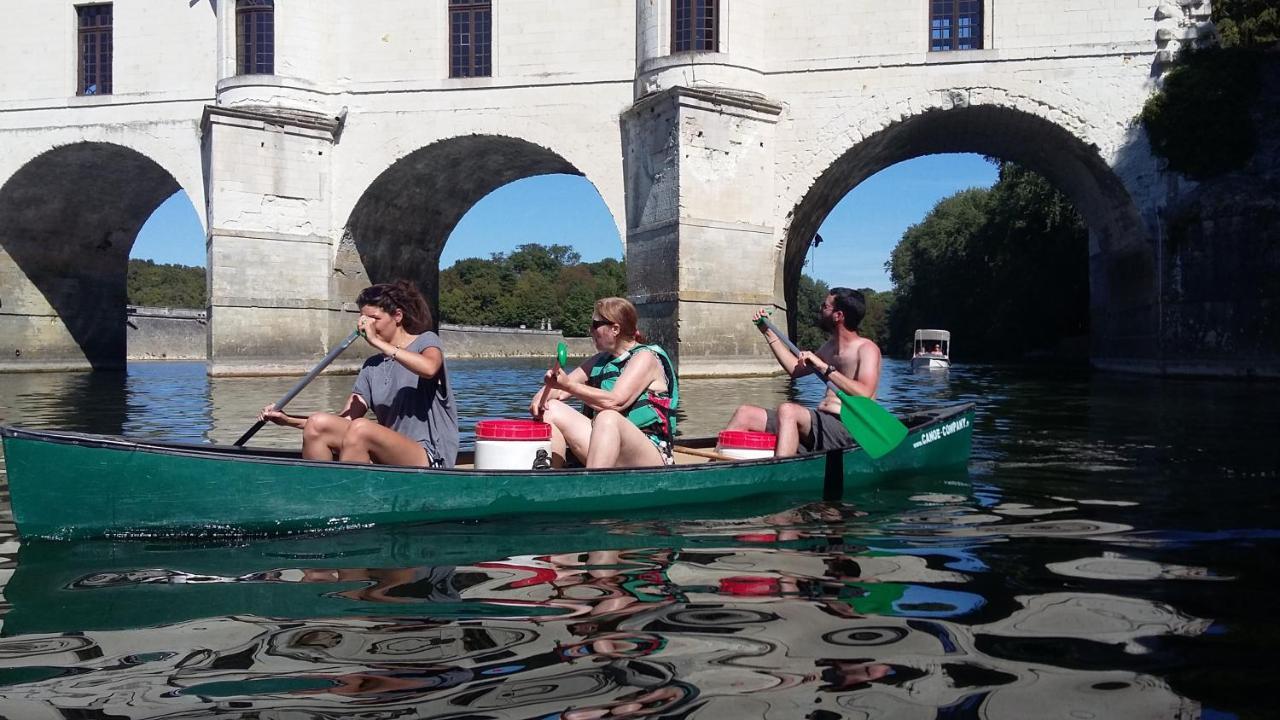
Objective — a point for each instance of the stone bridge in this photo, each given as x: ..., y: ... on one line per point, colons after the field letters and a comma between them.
x: 344, y: 148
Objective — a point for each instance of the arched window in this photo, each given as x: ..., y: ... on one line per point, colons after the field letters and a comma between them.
x: 695, y: 25
x: 255, y: 37
x: 955, y: 25
x: 470, y: 38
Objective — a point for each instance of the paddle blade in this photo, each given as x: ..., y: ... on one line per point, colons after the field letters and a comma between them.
x: 562, y: 354
x: 873, y: 427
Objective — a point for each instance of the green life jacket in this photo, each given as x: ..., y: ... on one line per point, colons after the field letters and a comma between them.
x: 652, y: 412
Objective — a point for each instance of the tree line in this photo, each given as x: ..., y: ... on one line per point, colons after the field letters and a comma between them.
x: 156, y: 285
x: 1005, y: 269
x: 531, y: 284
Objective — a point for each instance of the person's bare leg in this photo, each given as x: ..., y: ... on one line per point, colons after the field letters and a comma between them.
x: 615, y: 442
x: 793, y: 423
x: 750, y: 418
x: 322, y: 436
x: 367, y: 441
x: 573, y: 428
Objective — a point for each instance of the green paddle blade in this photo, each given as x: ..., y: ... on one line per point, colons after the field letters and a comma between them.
x: 873, y: 427
x: 562, y: 354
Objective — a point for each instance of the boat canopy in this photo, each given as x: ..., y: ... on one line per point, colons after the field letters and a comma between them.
x: 932, y: 343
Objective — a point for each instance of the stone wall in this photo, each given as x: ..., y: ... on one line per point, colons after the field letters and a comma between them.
x: 156, y: 333
x: 1221, y: 261
x: 180, y: 334
x: 473, y: 341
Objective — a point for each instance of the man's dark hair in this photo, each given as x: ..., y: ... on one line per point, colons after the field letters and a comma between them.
x: 851, y: 303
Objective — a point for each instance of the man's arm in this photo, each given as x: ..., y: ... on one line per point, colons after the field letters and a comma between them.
x: 789, y: 362
x: 863, y: 377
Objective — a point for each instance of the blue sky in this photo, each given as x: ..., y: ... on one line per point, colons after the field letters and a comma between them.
x: 857, y: 236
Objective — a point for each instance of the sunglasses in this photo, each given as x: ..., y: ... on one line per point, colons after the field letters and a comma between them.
x: 595, y: 324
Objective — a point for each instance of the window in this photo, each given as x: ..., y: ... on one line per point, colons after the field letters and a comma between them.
x: 955, y: 25
x: 255, y: 37
x: 93, y: 76
x: 694, y: 25
x: 470, y: 38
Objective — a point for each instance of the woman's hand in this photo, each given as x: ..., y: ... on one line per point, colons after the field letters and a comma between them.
x: 272, y: 415
x: 556, y: 379
x: 365, y: 325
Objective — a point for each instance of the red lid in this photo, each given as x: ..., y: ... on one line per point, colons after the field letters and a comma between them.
x: 747, y: 440
x: 512, y: 430
x: 749, y: 585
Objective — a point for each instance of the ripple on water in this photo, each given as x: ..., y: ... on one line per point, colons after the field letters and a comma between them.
x: 919, y: 597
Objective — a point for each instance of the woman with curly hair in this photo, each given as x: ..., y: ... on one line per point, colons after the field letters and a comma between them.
x: 405, y: 384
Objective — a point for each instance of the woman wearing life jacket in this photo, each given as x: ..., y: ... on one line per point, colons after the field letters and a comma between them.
x: 628, y: 391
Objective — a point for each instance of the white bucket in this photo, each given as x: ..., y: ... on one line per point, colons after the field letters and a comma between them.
x: 746, y: 445
x: 512, y: 444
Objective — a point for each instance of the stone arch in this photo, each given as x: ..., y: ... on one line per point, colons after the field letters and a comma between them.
x: 1123, y: 273
x: 68, y: 219
x: 401, y: 222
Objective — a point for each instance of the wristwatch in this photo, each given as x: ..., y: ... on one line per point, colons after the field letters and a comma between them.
x: 826, y: 374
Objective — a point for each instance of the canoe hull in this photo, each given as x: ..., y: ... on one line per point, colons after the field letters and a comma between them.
x: 930, y: 363
x: 70, y: 485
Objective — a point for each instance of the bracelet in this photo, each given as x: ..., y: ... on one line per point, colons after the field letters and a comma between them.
x: 826, y: 374
x: 394, y: 353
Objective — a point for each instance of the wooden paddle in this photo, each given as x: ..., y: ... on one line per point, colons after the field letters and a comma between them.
x: 301, y: 384
x: 872, y: 427
x: 708, y: 454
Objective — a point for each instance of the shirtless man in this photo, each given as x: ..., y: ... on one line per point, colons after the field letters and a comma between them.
x: 848, y: 360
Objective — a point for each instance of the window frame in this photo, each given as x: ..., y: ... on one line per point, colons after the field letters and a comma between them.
x: 478, y: 61
x: 977, y: 36
x: 695, y: 42
x: 250, y: 15
x: 104, y: 57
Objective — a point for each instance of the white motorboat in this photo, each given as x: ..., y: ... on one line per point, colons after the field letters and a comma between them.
x: 931, y: 350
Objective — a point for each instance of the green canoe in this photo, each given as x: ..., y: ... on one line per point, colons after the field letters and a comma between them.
x: 66, y: 485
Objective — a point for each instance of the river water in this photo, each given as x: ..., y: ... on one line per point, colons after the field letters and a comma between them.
x: 1109, y: 554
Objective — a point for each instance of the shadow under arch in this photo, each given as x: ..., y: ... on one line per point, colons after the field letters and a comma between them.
x: 401, y: 223
x: 1122, y: 269
x: 68, y: 219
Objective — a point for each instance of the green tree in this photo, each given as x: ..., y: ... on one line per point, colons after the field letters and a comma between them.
x: 810, y: 296
x: 527, y: 285
x: 1200, y: 121
x: 152, y: 284
x: 1005, y: 270
x: 1247, y: 23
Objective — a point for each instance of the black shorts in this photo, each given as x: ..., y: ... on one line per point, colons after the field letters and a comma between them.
x: 826, y: 432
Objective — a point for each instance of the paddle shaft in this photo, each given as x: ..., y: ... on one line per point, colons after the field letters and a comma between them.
x: 301, y: 384
x: 709, y: 454
x: 794, y: 350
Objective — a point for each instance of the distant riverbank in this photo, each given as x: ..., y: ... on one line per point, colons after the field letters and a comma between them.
x: 181, y: 334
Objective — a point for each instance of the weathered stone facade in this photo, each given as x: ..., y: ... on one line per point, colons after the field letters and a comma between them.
x: 162, y: 333
x: 357, y: 158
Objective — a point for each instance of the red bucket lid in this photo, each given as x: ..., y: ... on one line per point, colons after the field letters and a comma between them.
x: 749, y: 585
x: 512, y: 430
x: 747, y: 440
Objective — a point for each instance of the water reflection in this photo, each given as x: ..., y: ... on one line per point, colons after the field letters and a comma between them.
x: 817, y: 607
x: 1110, y: 554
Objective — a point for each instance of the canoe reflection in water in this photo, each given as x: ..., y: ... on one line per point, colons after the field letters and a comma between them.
x: 694, y: 631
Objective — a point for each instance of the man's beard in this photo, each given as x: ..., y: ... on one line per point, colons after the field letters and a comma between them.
x: 826, y: 323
